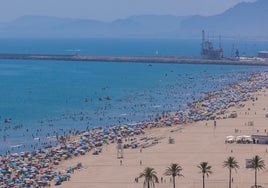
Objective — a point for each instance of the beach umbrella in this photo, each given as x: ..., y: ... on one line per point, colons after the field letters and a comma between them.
x: 84, y: 147
x: 10, y: 181
x: 86, y: 133
x: 67, y: 175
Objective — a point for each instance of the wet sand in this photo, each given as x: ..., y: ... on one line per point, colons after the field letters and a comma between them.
x: 193, y: 143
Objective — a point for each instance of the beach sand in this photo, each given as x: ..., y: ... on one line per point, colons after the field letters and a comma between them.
x: 193, y: 143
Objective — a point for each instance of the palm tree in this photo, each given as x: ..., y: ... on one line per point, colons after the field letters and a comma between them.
x: 257, y: 163
x: 150, y: 177
x: 173, y: 170
x: 230, y: 163
x: 205, y: 170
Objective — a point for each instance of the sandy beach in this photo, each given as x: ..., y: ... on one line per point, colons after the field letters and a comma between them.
x: 193, y: 143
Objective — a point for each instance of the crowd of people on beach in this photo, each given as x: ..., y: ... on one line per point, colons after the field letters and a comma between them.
x: 38, y: 168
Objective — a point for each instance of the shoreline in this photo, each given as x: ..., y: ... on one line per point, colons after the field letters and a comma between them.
x: 137, y: 59
x: 98, y: 171
x: 183, y: 120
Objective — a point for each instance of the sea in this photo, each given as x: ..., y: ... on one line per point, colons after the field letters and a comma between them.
x: 43, y: 99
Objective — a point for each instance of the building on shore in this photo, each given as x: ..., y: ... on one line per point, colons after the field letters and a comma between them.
x: 263, y: 54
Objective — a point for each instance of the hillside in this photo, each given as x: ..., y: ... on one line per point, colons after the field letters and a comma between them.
x: 243, y: 20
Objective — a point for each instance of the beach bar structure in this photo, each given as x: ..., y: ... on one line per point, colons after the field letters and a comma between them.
x: 260, y: 139
x: 248, y: 163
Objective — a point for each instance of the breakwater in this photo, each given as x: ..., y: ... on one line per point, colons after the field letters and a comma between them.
x: 135, y: 59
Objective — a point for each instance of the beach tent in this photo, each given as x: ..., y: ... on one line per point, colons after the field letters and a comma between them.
x: 244, y: 139
x: 233, y: 115
x: 230, y: 139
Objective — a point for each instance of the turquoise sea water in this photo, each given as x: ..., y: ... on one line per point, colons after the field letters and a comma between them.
x: 43, y: 99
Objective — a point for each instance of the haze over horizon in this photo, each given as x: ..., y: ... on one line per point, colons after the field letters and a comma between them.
x: 138, y: 19
x: 106, y: 10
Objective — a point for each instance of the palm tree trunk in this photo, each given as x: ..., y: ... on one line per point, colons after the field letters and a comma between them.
x: 256, y: 178
x: 173, y: 181
x: 203, y: 180
x: 230, y: 178
x: 148, y: 184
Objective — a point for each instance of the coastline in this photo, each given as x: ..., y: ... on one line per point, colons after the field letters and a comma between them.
x: 107, y: 161
x: 193, y: 143
x: 155, y: 156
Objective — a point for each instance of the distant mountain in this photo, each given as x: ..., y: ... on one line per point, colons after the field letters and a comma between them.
x: 243, y: 20
x: 135, y: 26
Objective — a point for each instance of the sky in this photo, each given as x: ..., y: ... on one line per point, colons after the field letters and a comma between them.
x: 108, y: 10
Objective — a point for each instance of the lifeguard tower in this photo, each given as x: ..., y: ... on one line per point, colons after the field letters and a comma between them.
x: 120, y: 149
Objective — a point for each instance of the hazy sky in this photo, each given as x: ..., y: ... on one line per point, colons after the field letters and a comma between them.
x: 107, y: 10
